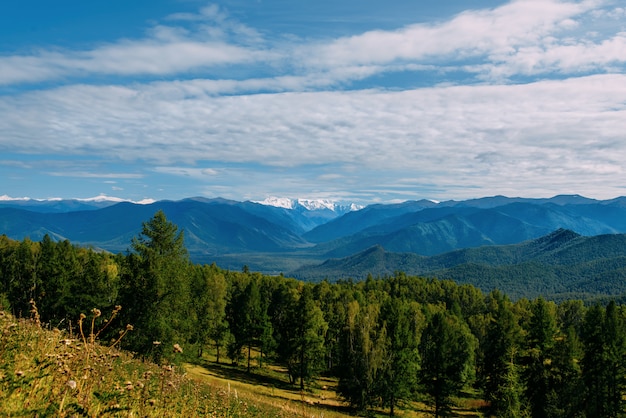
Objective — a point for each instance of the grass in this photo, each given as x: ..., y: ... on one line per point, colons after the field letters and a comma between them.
x: 53, y: 373
x: 269, y: 386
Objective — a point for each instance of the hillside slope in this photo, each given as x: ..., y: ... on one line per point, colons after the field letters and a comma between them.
x: 560, y: 264
x: 279, y: 239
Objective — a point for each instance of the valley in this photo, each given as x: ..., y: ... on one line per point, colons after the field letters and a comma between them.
x: 558, y: 247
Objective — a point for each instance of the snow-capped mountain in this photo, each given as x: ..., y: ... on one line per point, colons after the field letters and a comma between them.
x: 310, y: 204
x: 296, y: 231
x: 56, y: 204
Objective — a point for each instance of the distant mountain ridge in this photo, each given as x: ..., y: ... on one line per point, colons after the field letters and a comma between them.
x: 283, y: 235
x: 562, y: 264
x: 310, y: 204
x: 65, y: 205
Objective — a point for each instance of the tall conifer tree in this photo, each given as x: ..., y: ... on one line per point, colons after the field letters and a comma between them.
x: 500, y: 369
x: 447, y: 351
x: 403, y: 321
x: 541, y: 337
x: 155, y: 289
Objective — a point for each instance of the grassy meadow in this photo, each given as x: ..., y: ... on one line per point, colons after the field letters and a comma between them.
x: 268, y: 386
x: 53, y: 373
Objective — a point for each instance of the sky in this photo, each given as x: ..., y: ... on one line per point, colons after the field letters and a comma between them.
x: 363, y: 101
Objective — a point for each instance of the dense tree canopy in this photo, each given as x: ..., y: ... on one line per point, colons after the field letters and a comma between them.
x: 387, y: 340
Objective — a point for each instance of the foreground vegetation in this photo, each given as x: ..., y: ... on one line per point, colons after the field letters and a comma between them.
x: 385, y: 343
x: 54, y: 373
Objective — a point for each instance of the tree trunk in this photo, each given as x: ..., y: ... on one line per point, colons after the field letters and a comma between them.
x: 302, y: 368
x: 249, y: 354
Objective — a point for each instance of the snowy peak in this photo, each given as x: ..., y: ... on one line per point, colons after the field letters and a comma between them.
x: 101, y: 198
x: 55, y: 205
x: 105, y: 198
x: 319, y: 204
x: 310, y: 204
x: 278, y: 202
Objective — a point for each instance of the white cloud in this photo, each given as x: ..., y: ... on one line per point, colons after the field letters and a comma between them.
x: 447, y: 139
x: 521, y: 37
x: 187, y: 171
x: 125, y: 58
x: 86, y: 174
x: 166, y: 50
x: 564, y: 132
x: 493, y: 35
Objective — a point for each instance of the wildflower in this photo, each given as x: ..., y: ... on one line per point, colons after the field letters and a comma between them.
x: 96, y: 312
x: 129, y: 327
x: 177, y: 348
x: 156, y: 343
x: 19, y: 373
x: 129, y: 385
x: 71, y: 384
x: 82, y: 316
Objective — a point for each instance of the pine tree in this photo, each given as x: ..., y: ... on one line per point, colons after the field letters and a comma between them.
x: 499, y: 373
x: 310, y: 334
x: 542, y: 334
x: 362, y: 355
x: 248, y: 319
x: 55, y: 279
x: 604, y: 364
x: 615, y: 339
x: 155, y: 289
x: 209, y: 292
x: 403, y: 321
x: 447, y: 350
x: 567, y: 375
x: 282, y: 312
x: 24, y: 283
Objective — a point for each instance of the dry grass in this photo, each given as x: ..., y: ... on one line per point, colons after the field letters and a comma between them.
x: 263, y: 388
x: 51, y: 373
x: 269, y: 386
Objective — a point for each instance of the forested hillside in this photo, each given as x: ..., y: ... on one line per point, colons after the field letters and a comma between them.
x: 281, y: 239
x: 387, y: 340
x: 560, y: 265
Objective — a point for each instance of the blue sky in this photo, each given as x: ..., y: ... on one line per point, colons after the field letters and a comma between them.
x: 364, y: 101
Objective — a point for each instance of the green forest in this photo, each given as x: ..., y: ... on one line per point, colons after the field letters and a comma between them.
x: 387, y: 340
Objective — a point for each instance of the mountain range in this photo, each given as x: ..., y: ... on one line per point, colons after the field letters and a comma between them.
x: 561, y: 265
x: 314, y: 239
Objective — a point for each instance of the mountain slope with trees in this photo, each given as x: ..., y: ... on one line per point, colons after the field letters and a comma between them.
x: 560, y: 264
x: 280, y: 239
x: 387, y: 341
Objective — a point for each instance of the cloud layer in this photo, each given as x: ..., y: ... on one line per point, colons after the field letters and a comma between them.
x: 528, y: 98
